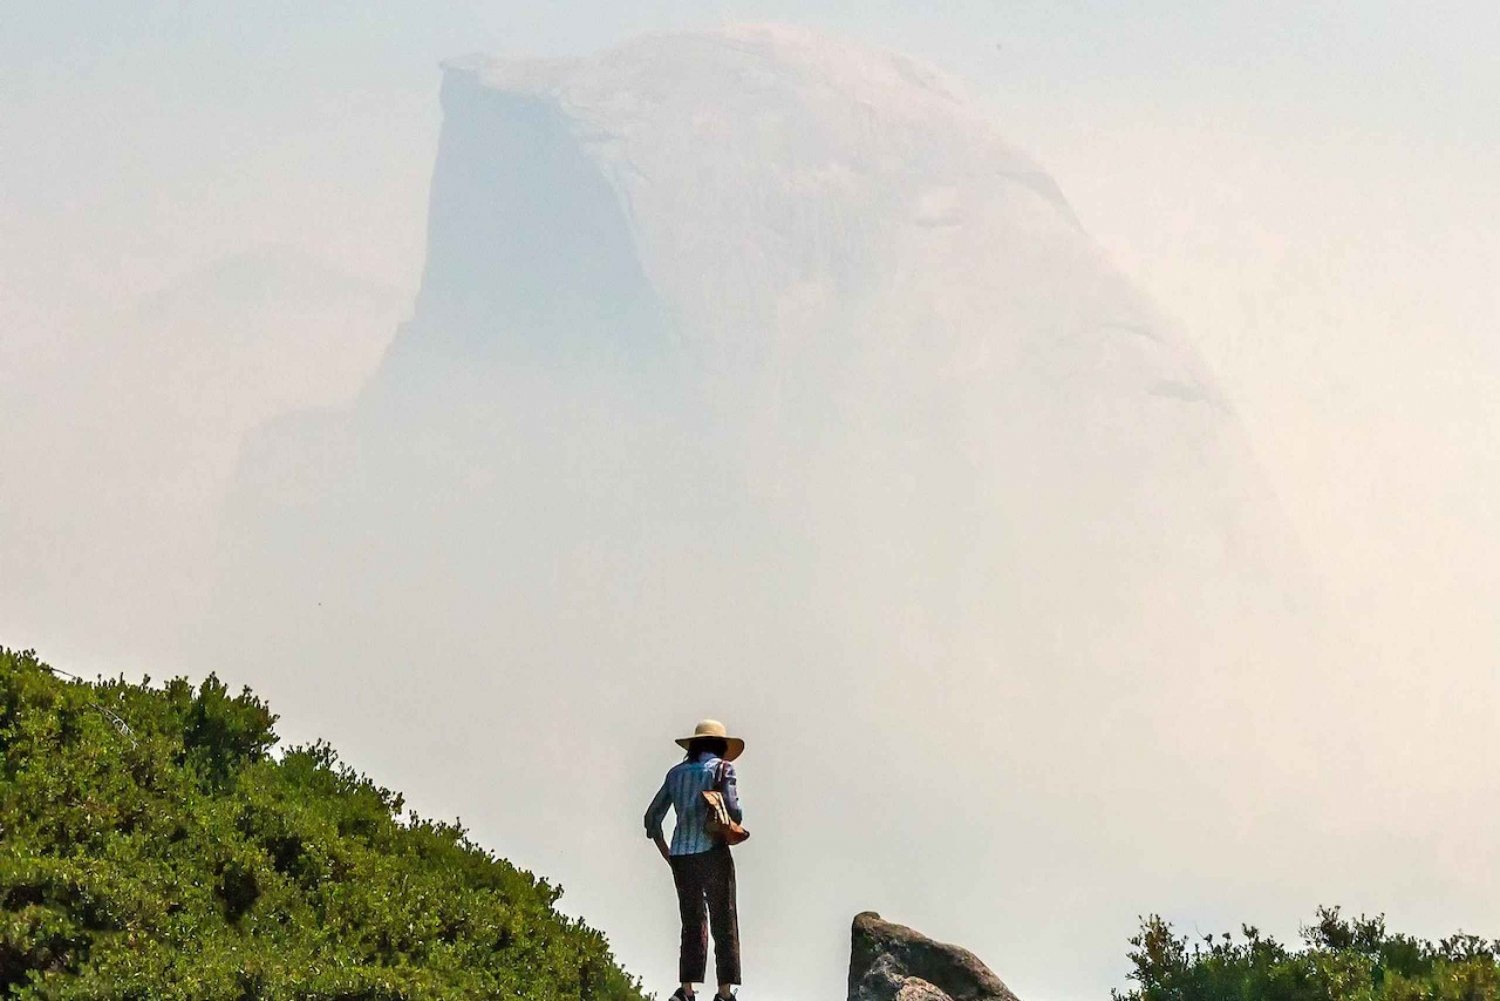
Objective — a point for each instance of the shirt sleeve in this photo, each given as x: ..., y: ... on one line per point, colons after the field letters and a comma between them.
x: 657, y: 811
x: 732, y: 794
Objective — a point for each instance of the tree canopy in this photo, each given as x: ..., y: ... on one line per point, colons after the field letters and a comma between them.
x: 152, y: 846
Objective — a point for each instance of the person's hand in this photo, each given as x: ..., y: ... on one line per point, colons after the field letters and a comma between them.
x: 661, y: 846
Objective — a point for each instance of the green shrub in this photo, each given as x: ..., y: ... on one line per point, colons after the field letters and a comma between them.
x: 1341, y: 960
x: 151, y: 847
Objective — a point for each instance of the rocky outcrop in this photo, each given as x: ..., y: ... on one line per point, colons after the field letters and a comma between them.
x: 890, y: 962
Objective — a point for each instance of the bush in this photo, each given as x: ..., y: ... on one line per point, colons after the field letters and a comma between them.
x: 152, y: 848
x: 1341, y: 960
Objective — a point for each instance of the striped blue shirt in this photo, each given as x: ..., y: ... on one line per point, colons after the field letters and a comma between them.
x: 683, y: 791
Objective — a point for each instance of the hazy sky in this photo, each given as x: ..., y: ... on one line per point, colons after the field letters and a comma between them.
x: 1308, y: 191
x: 185, y: 115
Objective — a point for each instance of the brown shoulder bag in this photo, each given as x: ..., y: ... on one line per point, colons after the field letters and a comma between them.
x: 719, y: 825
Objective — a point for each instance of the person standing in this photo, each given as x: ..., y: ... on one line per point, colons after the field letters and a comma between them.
x: 702, y: 867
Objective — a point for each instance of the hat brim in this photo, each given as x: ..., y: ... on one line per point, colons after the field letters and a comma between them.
x: 735, y: 749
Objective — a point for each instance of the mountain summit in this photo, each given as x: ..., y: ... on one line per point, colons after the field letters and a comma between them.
x: 889, y: 311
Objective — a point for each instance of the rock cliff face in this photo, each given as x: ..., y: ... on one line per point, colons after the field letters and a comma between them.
x: 885, y: 317
x: 759, y: 279
x: 890, y: 962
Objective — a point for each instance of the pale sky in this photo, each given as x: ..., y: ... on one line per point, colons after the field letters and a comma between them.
x: 129, y: 112
x: 1308, y: 192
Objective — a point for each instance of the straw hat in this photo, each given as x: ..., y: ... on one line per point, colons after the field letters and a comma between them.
x: 713, y: 728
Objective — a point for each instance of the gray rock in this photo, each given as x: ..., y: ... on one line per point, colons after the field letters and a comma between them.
x: 917, y: 989
x: 890, y: 962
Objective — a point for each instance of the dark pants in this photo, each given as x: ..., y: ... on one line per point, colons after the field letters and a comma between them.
x: 707, y: 877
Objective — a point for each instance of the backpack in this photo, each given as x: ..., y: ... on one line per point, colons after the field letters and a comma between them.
x: 718, y: 824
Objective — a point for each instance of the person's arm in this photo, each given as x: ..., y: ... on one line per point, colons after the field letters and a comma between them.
x: 731, y: 792
x: 655, y: 814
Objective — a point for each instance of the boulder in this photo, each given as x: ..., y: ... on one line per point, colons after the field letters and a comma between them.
x: 890, y: 962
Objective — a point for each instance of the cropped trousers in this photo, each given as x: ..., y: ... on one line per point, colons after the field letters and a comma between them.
x: 705, y: 898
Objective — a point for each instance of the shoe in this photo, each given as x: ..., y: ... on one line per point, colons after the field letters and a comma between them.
x: 724, y: 997
x: 682, y: 995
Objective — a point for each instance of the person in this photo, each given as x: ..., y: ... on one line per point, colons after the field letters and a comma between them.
x: 702, y: 868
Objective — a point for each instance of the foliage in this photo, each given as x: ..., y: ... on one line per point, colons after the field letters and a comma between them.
x: 1341, y: 960
x: 151, y: 847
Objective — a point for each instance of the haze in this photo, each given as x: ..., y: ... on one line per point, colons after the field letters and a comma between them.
x: 216, y: 222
